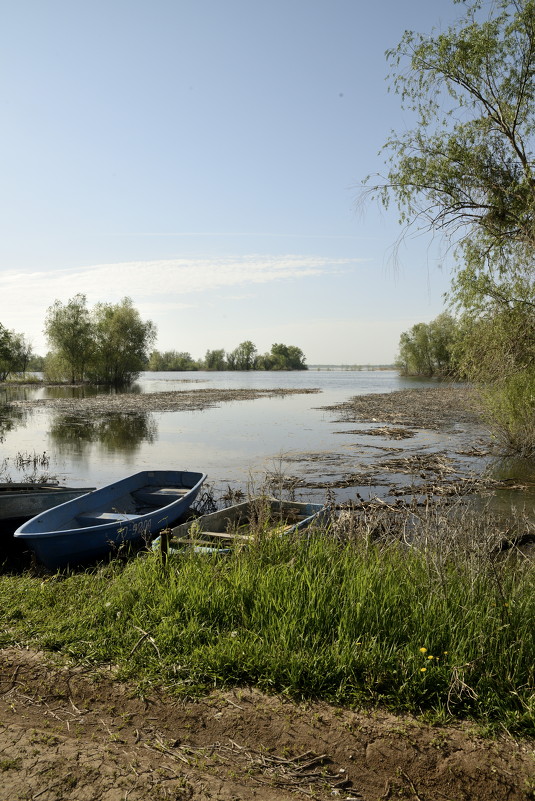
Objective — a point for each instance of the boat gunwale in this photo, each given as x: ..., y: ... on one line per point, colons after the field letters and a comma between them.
x: 132, y: 524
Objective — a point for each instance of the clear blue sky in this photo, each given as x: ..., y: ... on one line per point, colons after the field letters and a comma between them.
x: 204, y: 158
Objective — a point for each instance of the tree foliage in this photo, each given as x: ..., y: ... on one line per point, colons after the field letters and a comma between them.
x: 497, y: 349
x: 171, y: 360
x: 243, y: 357
x: 121, y: 343
x: 466, y: 170
x: 428, y: 348
x: 280, y: 357
x: 69, y: 330
x: 286, y: 357
x: 15, y: 353
x: 215, y: 359
x: 108, y: 345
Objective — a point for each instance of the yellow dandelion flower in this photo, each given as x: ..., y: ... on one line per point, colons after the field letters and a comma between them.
x: 423, y: 650
x: 422, y: 670
x: 430, y: 657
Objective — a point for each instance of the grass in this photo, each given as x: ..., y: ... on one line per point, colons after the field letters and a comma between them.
x: 27, y: 466
x: 431, y: 618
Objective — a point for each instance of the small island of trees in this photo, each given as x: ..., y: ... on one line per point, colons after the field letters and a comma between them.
x: 111, y: 345
x: 244, y: 357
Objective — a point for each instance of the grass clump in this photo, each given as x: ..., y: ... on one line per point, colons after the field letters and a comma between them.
x: 437, y: 621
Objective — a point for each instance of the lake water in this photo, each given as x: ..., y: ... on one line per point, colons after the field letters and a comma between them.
x: 235, y: 443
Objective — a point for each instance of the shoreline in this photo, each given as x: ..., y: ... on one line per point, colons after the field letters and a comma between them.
x: 418, y: 444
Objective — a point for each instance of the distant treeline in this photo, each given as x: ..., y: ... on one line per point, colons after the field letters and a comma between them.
x: 111, y: 345
x: 244, y: 357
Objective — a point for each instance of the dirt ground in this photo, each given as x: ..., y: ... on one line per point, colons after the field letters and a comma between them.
x: 76, y: 733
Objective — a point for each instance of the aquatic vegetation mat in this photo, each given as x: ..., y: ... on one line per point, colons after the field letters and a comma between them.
x: 194, y: 399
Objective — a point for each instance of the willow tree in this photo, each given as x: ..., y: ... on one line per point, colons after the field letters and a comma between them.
x: 122, y: 343
x: 428, y: 348
x: 466, y: 168
x: 6, y: 352
x: 69, y: 331
x: 243, y: 357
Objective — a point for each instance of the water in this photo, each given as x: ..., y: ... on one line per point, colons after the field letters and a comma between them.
x: 236, y: 443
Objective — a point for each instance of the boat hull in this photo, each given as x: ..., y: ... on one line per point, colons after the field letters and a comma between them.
x: 219, y: 531
x: 28, y: 500
x: 95, y: 525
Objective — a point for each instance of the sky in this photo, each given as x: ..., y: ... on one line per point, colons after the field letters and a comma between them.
x: 205, y: 158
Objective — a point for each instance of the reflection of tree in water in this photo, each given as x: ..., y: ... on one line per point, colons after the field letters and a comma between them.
x: 10, y: 418
x: 121, y: 433
x: 75, y: 392
x: 81, y: 391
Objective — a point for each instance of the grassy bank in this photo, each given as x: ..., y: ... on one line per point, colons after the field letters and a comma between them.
x: 442, y: 627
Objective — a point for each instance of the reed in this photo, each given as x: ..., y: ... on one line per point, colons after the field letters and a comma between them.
x: 434, y: 617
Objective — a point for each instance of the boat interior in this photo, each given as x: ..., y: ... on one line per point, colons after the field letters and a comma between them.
x: 130, y: 506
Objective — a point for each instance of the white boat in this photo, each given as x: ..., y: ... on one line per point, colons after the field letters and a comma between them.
x: 28, y: 499
x: 221, y: 531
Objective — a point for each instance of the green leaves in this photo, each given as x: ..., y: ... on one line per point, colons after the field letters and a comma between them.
x: 428, y: 348
x: 108, y: 345
x: 15, y: 353
x: 69, y: 331
x: 465, y: 169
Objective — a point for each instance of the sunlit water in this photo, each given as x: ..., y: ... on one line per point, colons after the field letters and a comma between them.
x: 237, y: 444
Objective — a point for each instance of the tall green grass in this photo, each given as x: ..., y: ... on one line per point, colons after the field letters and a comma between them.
x: 442, y: 626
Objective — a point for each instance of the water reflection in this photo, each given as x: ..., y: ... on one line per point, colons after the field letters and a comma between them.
x: 117, y: 433
x: 513, y: 468
x: 63, y: 391
x: 236, y: 442
x: 14, y: 392
x: 10, y: 418
x: 76, y: 393
x: 518, y: 491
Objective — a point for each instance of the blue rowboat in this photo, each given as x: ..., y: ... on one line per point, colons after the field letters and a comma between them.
x: 92, y: 526
x: 220, y: 532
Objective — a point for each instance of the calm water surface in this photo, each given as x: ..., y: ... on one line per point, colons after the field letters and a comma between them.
x: 236, y: 443
x: 231, y: 442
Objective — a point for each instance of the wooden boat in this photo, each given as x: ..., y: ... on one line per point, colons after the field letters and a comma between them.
x: 96, y: 524
x: 220, y: 532
x: 30, y: 498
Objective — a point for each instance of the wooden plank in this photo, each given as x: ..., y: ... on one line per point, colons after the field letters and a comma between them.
x: 202, y: 541
x: 225, y: 536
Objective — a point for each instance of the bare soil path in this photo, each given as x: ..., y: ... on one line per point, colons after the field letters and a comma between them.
x: 75, y: 733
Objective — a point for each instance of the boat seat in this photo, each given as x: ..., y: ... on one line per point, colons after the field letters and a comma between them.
x: 202, y: 534
x: 100, y: 518
x: 160, y: 496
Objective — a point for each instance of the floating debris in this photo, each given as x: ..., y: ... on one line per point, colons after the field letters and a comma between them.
x: 433, y: 408
x: 193, y: 399
x: 387, y: 432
